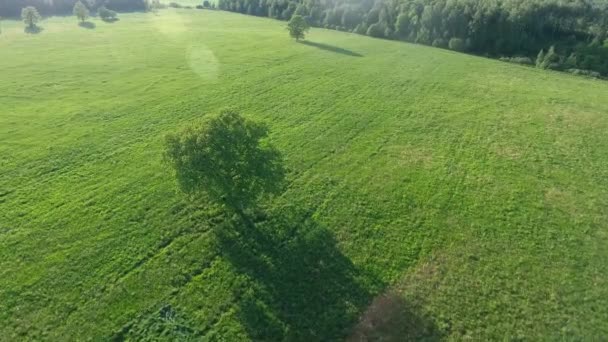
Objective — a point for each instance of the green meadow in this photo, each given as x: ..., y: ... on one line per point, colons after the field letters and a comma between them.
x: 431, y: 194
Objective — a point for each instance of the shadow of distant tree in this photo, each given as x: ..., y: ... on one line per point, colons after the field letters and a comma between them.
x: 110, y: 20
x: 33, y: 29
x: 87, y: 24
x: 331, y: 48
x: 306, y: 289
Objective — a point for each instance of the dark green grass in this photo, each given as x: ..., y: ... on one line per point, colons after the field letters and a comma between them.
x: 475, y: 189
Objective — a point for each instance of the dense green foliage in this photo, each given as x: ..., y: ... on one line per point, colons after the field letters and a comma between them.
x: 297, y: 27
x: 475, y: 189
x: 223, y: 158
x: 106, y: 14
x: 80, y: 11
x: 496, y: 27
x: 30, y: 16
x: 12, y: 8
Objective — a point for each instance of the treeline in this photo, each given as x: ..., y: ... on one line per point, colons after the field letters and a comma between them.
x: 576, y: 29
x: 12, y: 8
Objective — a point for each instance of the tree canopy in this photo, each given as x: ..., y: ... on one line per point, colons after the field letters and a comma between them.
x: 81, y: 11
x: 106, y: 14
x: 228, y: 158
x: 297, y: 27
x: 30, y: 16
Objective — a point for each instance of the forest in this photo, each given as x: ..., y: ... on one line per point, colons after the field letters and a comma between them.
x: 567, y: 35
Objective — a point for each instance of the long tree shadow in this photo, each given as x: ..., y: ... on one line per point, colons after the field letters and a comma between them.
x: 331, y: 48
x: 305, y: 288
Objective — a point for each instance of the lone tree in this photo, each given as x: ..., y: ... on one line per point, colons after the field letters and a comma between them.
x: 297, y: 27
x: 227, y: 158
x: 30, y: 16
x: 81, y: 11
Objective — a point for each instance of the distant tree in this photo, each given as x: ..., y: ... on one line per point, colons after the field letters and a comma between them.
x: 552, y: 59
x: 30, y: 16
x: 361, y: 28
x: 226, y: 158
x: 571, y: 62
x: 81, y: 11
x: 297, y: 27
x: 206, y: 4
x: 540, y: 59
x: 439, y: 42
x: 106, y: 14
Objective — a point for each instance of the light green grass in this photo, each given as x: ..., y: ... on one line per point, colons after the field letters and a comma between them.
x: 478, y: 189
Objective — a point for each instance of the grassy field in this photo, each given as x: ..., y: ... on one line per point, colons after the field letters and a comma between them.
x: 431, y: 194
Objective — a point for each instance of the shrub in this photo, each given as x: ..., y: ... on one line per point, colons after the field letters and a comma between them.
x: 200, y: 7
x: 206, y: 4
x: 571, y: 62
x: 518, y: 60
x: 376, y: 30
x: 361, y: 29
x: 106, y: 14
x: 552, y: 59
x: 439, y: 42
x: 582, y: 72
x: 540, y: 58
x: 456, y: 44
x: 175, y: 5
